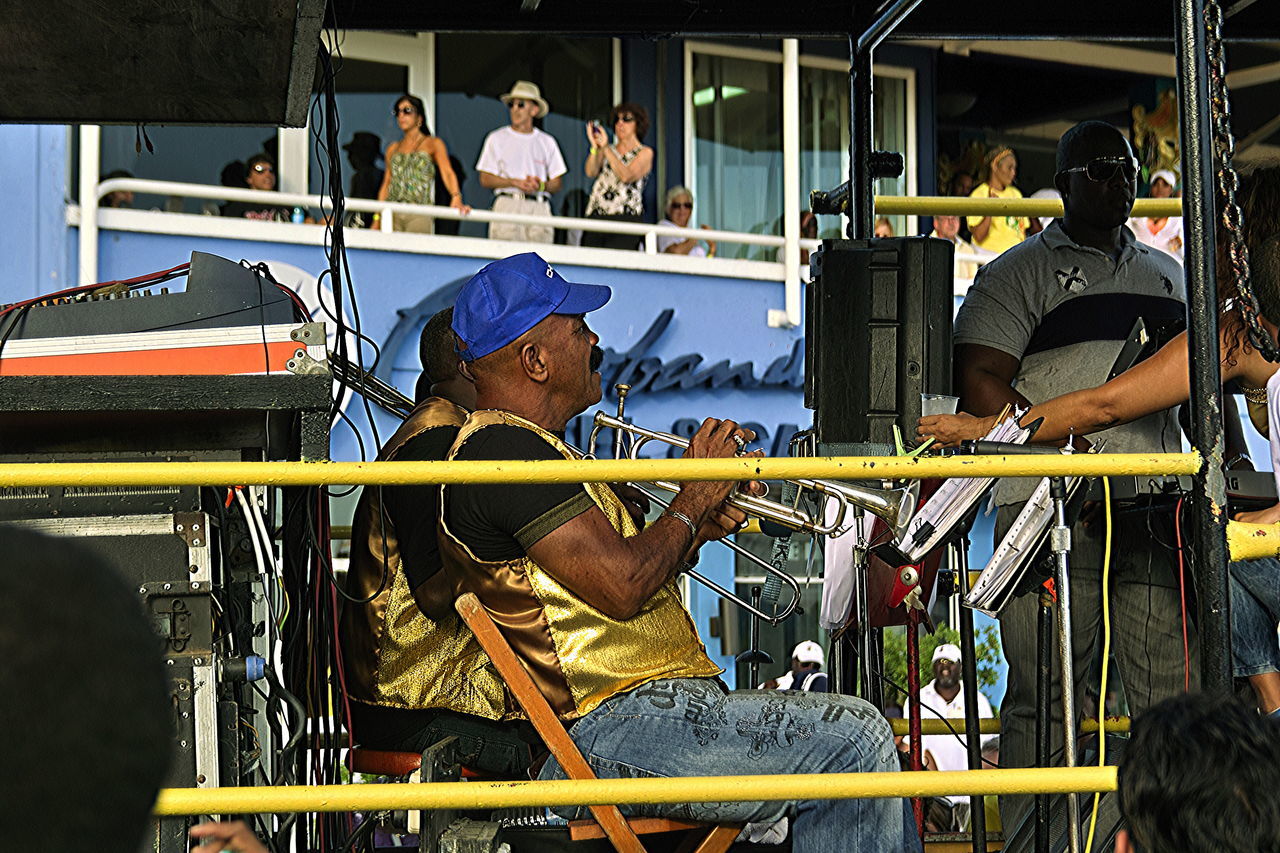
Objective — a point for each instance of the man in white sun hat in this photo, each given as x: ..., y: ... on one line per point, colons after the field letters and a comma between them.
x: 943, y: 698
x: 1160, y: 232
x: 807, y: 660
x: 522, y: 165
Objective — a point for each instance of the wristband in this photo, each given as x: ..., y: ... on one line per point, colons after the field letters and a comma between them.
x: 542, y: 186
x: 693, y: 528
x: 593, y: 151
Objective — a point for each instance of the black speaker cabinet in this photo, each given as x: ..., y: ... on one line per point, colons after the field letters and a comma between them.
x: 878, y: 334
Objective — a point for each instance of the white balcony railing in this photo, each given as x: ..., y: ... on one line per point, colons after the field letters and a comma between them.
x: 88, y: 221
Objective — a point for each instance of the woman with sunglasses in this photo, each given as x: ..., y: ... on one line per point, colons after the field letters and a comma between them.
x: 620, y: 171
x: 679, y: 209
x: 997, y: 233
x: 259, y: 174
x: 412, y: 163
x: 1161, y: 382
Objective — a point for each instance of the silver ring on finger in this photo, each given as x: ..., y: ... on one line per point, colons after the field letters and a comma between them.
x: 740, y: 441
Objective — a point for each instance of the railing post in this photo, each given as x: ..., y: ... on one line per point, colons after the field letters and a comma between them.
x: 1209, y: 501
x: 90, y: 145
x: 861, y: 187
x: 790, y: 316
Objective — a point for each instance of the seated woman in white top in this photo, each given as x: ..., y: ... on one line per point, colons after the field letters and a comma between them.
x: 679, y: 209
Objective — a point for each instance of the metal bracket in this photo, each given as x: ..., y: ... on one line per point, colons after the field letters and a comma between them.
x: 303, y: 364
x: 190, y: 528
x: 311, y: 334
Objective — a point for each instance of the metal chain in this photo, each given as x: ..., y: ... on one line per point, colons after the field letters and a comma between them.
x: 1224, y: 147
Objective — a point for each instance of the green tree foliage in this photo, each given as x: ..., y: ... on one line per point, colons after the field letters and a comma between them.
x: 986, y: 643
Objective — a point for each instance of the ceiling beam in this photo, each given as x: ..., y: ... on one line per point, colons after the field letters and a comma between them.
x: 1088, y: 54
x: 1255, y: 76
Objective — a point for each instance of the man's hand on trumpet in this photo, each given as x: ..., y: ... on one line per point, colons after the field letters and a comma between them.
x: 720, y: 439
x: 950, y: 430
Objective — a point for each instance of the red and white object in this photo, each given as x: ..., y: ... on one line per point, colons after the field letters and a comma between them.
x: 231, y: 351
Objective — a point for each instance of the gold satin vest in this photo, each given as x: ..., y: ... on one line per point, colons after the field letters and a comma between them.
x: 393, y: 654
x: 577, y: 655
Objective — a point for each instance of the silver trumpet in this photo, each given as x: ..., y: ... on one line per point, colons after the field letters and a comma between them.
x: 895, y: 506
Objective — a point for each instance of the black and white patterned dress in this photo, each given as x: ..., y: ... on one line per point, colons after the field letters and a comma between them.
x: 610, y: 196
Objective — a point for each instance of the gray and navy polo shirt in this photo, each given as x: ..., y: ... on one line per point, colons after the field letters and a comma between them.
x: 1065, y: 310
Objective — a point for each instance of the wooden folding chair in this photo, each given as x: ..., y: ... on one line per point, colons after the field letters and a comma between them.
x: 609, y: 822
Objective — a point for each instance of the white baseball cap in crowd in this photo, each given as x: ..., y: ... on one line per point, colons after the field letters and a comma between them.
x: 1165, y: 175
x: 949, y: 651
x: 809, y: 652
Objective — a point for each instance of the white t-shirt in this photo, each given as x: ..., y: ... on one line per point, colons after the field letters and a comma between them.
x: 1168, y: 239
x: 811, y: 680
x: 509, y: 154
x: 1273, y: 424
x: 698, y: 251
x: 949, y: 751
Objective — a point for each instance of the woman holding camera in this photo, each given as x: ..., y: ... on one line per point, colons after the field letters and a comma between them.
x: 620, y: 171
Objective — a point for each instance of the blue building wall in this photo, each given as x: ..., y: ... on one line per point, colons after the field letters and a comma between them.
x: 33, y: 182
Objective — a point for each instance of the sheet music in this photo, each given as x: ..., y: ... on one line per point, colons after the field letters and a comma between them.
x: 1004, y: 570
x: 953, y: 499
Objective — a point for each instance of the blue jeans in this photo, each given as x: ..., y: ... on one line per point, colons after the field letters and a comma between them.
x: 1255, y: 612
x: 694, y: 727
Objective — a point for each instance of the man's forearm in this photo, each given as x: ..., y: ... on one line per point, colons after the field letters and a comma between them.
x: 654, y: 556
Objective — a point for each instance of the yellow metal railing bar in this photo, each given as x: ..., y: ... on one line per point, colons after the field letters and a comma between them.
x: 934, y: 726
x: 696, y: 789
x: 588, y: 471
x: 889, y: 205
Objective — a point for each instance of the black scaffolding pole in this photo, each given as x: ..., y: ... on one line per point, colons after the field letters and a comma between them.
x: 1209, y: 501
x: 861, y: 136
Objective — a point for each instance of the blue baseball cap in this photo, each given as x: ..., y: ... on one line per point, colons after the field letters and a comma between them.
x: 511, y: 296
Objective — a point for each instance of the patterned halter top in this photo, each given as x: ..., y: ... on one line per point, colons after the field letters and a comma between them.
x: 413, y: 178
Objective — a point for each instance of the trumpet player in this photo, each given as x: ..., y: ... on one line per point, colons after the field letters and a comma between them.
x: 588, y: 599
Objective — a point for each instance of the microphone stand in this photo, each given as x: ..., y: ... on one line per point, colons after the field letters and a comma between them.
x: 1060, y: 544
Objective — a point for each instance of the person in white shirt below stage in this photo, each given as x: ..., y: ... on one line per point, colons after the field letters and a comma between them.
x: 806, y: 672
x: 943, y: 698
x: 1161, y: 232
x: 522, y: 165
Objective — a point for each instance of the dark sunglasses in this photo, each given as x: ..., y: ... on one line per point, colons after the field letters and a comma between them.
x: 625, y: 117
x: 404, y: 111
x: 263, y: 167
x: 513, y: 104
x: 686, y: 204
x: 1103, y: 169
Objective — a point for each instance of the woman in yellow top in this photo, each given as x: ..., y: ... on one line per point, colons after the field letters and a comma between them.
x: 997, y: 233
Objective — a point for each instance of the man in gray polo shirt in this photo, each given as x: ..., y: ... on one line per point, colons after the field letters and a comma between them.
x: 1047, y: 317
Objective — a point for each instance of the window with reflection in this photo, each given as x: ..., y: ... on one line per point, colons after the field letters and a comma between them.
x: 737, y: 143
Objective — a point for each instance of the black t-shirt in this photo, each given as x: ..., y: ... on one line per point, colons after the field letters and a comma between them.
x: 256, y: 210
x: 501, y: 521
x: 413, y: 510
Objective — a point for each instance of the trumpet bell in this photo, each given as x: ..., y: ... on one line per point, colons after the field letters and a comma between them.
x: 906, y: 501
